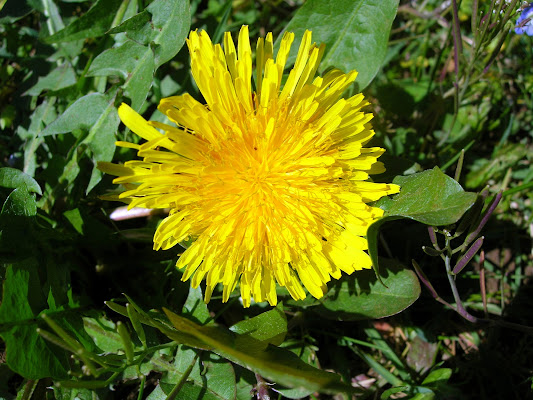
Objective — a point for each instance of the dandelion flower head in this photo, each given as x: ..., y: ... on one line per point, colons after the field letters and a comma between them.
x: 271, y: 183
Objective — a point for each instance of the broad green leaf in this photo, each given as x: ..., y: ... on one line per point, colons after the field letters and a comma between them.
x: 14, y: 178
x: 362, y: 296
x: 104, y: 334
x: 95, y: 114
x: 356, y: 33
x: 75, y: 218
x: 21, y: 302
x: 430, y: 197
x: 211, y: 378
x: 59, y: 78
x: 164, y: 23
x: 91, y: 111
x: 440, y: 375
x: 54, y: 22
x: 393, y: 390
x: 63, y: 393
x: 131, y: 61
x: 273, y: 363
x: 307, y: 354
x: 268, y: 327
x: 195, y: 307
x: 246, y: 382
x: 137, y: 27
x: 44, y: 114
x: 96, y: 22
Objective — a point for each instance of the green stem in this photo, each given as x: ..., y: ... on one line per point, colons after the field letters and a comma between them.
x: 172, y: 395
x: 141, y: 388
x: 29, y: 388
x: 451, y: 279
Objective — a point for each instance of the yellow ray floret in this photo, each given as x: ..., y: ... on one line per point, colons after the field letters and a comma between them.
x: 271, y: 184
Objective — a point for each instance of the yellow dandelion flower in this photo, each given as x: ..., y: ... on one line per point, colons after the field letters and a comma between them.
x: 270, y: 183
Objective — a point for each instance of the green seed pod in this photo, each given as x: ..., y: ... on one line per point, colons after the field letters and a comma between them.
x: 134, y: 317
x: 126, y: 341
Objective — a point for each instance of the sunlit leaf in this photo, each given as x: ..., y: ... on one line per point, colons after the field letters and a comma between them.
x: 131, y: 61
x: 93, y: 23
x: 268, y: 327
x: 165, y: 23
x: 356, y: 33
x: 430, y: 197
x: 273, y: 363
x: 195, y: 307
x: 211, y: 378
x: 361, y: 296
x: 14, y: 178
x: 97, y: 116
x: 58, y: 78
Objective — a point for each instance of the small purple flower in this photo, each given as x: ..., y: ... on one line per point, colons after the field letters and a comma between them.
x: 527, y: 26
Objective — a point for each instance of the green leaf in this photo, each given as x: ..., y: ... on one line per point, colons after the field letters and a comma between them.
x: 75, y: 218
x: 137, y: 27
x: 165, y: 23
x: 95, y: 114
x: 356, y: 33
x: 86, y: 113
x: 59, y: 78
x: 27, y: 353
x: 211, y: 378
x: 14, y: 178
x: 441, y: 375
x: 195, y: 307
x: 361, y: 296
x: 104, y: 334
x: 131, y: 61
x: 95, y: 22
x: 393, y: 390
x: 430, y: 197
x: 273, y: 363
x: 268, y: 327
x: 44, y: 114
x: 64, y: 393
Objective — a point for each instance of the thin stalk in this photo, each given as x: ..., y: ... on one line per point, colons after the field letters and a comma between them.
x: 29, y: 388
x: 88, y: 384
x: 459, y: 165
x: 141, y: 388
x: 474, y: 18
x: 451, y: 279
x: 172, y: 395
x: 482, y: 282
x: 120, y: 13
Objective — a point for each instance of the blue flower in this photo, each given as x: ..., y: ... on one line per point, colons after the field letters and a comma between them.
x: 526, y: 28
